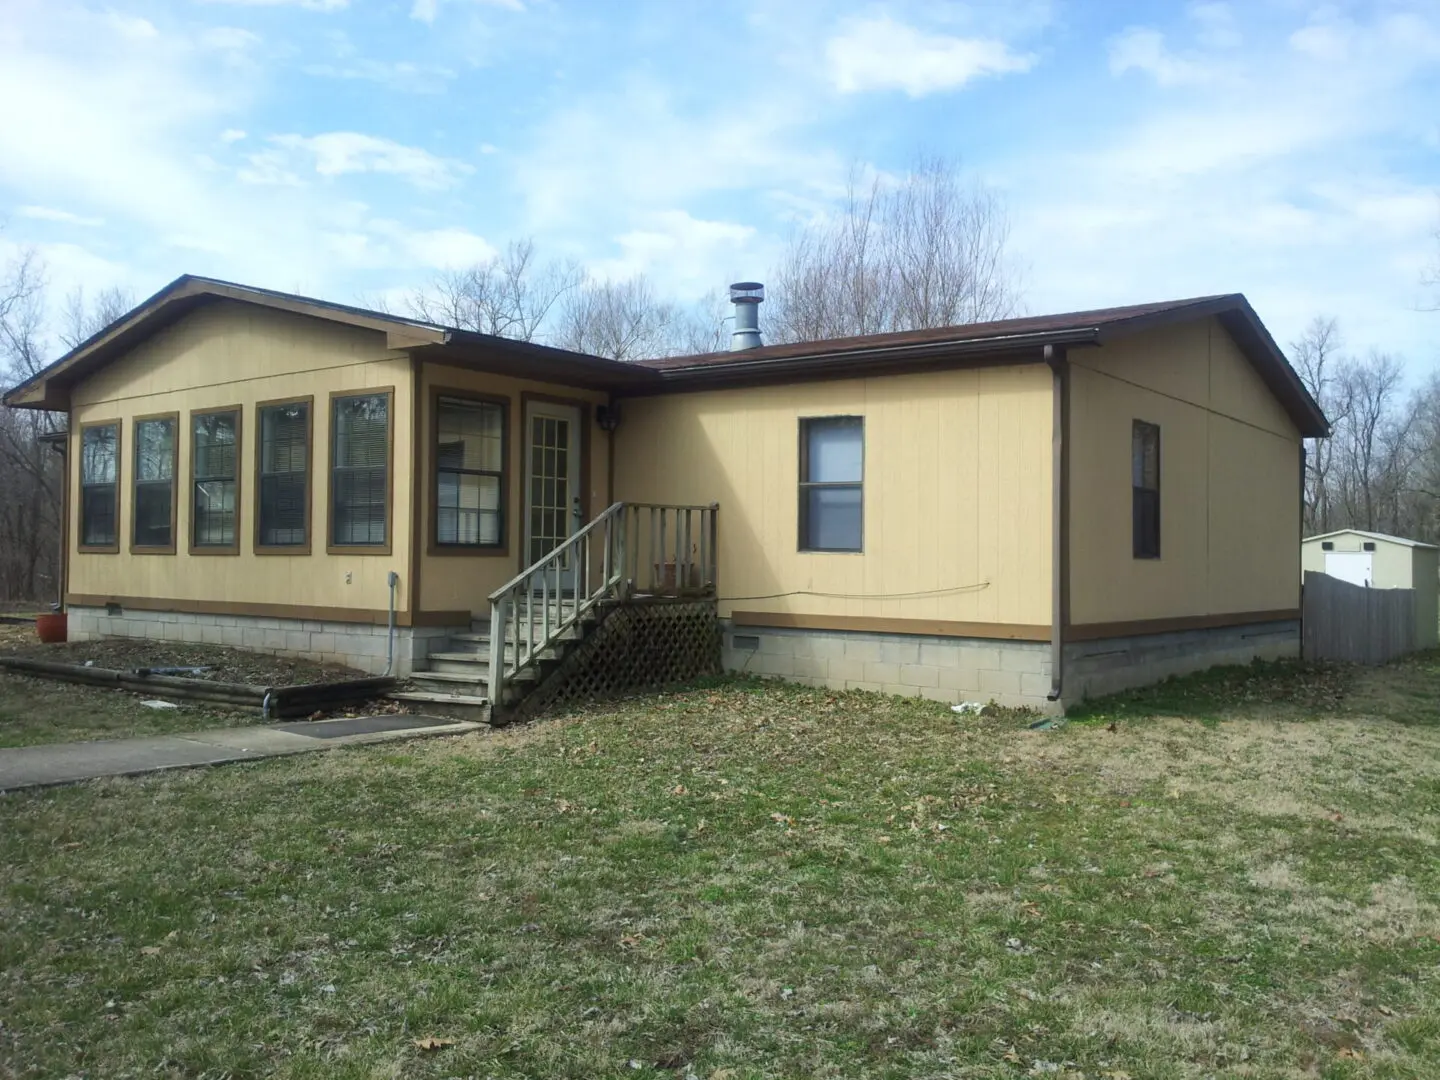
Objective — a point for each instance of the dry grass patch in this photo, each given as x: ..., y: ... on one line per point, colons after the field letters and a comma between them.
x: 744, y: 881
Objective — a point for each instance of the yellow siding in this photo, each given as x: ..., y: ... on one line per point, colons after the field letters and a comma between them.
x: 229, y: 354
x: 1230, y: 481
x: 465, y: 582
x: 957, y: 492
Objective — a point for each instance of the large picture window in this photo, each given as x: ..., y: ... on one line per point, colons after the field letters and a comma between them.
x: 282, y: 517
x: 832, y: 473
x: 359, y: 470
x: 99, y: 486
x: 1145, y: 484
x: 154, y: 506
x: 469, y: 473
x: 215, y: 468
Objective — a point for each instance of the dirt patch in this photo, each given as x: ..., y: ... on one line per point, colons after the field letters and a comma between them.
x: 221, y: 664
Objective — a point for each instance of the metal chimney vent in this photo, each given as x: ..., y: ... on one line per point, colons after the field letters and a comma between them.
x: 747, y: 296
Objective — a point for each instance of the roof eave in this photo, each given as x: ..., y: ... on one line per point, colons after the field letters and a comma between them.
x: 1015, y: 348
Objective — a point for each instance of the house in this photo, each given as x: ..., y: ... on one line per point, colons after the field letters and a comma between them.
x: 1027, y: 511
x: 1382, y: 562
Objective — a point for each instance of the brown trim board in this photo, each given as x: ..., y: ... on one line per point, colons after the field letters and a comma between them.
x: 417, y: 472
x: 216, y: 549
x: 135, y: 481
x: 78, y: 464
x: 366, y: 616
x: 866, y: 624
x: 388, y: 547
x: 1140, y: 627
x: 432, y: 475
x: 257, y: 547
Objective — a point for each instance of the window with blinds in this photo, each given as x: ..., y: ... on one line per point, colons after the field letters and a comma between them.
x: 99, y: 485
x: 832, y: 471
x: 282, y: 496
x: 359, y: 470
x: 215, y: 459
x: 469, y: 473
x: 1145, y: 489
x: 154, y: 485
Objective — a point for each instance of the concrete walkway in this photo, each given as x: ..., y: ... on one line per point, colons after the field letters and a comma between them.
x: 69, y: 763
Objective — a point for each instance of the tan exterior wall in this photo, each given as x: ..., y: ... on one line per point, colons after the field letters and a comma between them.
x: 464, y: 581
x: 1230, y: 481
x: 957, y: 493
x: 232, y: 354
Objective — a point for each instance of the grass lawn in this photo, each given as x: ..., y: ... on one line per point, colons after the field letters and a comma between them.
x: 34, y: 711
x: 759, y: 881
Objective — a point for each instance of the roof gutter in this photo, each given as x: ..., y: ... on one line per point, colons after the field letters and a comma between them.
x: 776, y: 367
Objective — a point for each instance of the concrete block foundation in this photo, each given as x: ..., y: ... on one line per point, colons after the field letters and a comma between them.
x: 360, y: 646
x: 1010, y: 673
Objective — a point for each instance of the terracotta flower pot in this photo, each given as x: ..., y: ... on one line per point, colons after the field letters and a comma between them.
x: 51, y: 628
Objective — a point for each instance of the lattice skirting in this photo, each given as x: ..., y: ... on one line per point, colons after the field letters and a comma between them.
x: 636, y: 646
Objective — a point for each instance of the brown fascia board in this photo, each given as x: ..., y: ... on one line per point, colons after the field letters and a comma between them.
x: 869, y: 360
x: 46, y: 389
x: 526, y: 359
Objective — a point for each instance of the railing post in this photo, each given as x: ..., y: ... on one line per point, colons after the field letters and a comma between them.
x: 497, y: 650
x: 714, y: 567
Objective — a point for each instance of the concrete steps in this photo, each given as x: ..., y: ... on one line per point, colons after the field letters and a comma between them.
x: 456, y: 681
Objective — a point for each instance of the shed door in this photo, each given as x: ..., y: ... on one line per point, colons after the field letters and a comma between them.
x: 1351, y: 566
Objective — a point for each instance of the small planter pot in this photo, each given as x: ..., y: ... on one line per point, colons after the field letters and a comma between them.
x: 53, y: 628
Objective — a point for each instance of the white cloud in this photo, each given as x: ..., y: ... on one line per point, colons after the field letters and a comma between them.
x: 227, y: 39
x: 444, y: 249
x: 426, y: 11
x: 401, y: 75
x: 64, y: 217
x: 1263, y: 181
x: 1142, y: 49
x: 684, y: 253
x: 308, y: 5
x: 879, y: 53
x: 337, y: 153
x: 1217, y: 25
x: 232, y: 135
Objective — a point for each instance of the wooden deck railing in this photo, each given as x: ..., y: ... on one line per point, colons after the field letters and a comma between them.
x: 630, y: 551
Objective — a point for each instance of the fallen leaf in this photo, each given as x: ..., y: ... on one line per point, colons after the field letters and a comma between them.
x: 679, y: 789
x: 150, y: 950
x: 1386, y: 1010
x: 1348, y: 1052
x: 1112, y: 726
x: 430, y: 1042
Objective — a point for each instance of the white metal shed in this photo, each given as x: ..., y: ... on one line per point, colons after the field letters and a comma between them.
x: 1382, y: 562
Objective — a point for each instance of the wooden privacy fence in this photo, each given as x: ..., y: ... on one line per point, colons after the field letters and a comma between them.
x: 1355, y: 623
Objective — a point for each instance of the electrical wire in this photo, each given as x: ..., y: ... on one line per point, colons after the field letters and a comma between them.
x: 922, y: 594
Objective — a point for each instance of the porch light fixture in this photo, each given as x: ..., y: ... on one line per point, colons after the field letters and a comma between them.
x: 608, y: 417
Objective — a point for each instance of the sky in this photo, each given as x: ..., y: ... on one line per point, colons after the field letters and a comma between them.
x: 349, y: 149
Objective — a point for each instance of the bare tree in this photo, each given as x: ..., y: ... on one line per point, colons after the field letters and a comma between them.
x: 82, y: 319
x: 926, y: 251
x: 510, y: 295
x: 1318, y: 362
x: 621, y: 320
x: 1375, y: 442
x: 29, y: 473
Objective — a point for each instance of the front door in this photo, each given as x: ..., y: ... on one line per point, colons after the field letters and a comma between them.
x: 552, y: 490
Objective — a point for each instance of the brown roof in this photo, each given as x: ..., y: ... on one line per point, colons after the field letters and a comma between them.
x: 943, y: 335
x: 1005, y: 340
